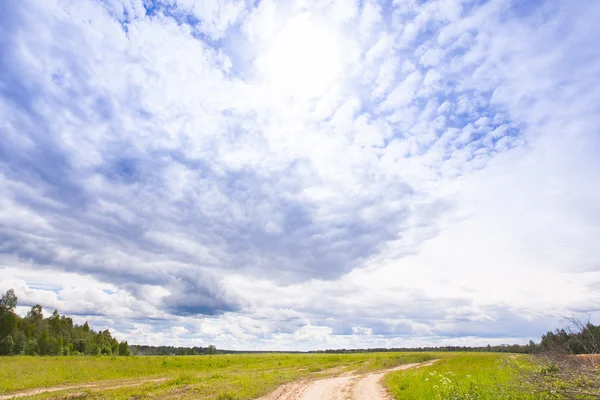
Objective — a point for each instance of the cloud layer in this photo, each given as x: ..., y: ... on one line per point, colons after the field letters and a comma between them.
x: 307, y: 174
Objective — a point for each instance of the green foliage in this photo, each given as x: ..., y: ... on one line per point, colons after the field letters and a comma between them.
x: 471, y: 376
x: 80, y: 346
x: 548, y: 369
x: 145, y: 350
x: 20, y: 339
x: 55, y: 335
x: 6, y: 346
x: 31, y: 347
x: 9, y: 300
x: 584, y: 340
x: 8, y: 318
x: 124, y: 349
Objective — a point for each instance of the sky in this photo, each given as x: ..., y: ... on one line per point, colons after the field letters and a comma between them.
x: 308, y: 174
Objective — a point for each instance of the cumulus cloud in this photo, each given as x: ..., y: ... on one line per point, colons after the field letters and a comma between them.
x: 301, y: 174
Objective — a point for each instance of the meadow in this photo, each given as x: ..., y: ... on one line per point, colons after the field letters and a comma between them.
x: 465, y: 376
x: 240, y: 376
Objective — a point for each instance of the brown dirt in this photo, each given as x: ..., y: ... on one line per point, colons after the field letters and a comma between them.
x: 590, y: 360
x: 591, y: 357
x: 345, y: 386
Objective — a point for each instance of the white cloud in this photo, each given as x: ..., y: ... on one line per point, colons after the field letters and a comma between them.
x: 344, y: 10
x: 432, y: 57
x: 369, y: 18
x: 403, y: 94
x: 316, y: 174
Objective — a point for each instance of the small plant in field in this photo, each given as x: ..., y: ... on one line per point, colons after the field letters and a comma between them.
x: 449, y: 388
x: 548, y: 369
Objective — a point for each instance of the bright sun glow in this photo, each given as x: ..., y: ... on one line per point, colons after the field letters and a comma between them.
x: 303, y: 60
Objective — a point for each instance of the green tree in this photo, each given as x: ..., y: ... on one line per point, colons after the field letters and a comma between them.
x: 36, y: 313
x: 19, y: 339
x: 114, y: 346
x: 6, y: 346
x: 8, y: 300
x: 53, y: 335
x: 8, y: 318
x: 54, y: 322
x: 80, y: 345
x: 47, y: 344
x: 124, y: 349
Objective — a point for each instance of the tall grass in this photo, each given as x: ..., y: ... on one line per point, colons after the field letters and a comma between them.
x: 475, y: 376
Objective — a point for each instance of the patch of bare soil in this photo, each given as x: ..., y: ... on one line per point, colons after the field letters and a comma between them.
x: 99, y: 385
x: 591, y: 358
x: 345, y: 386
x: 289, y: 391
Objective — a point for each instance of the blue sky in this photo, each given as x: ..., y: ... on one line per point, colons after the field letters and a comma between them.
x: 302, y: 174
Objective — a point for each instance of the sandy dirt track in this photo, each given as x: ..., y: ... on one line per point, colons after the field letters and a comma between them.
x: 343, y: 387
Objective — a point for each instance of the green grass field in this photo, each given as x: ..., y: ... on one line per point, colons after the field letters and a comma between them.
x: 244, y: 376
x: 470, y: 376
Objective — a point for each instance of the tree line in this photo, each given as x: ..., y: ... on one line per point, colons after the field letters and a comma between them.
x: 54, y: 335
x: 140, y: 350
x: 581, y: 338
x: 530, y: 348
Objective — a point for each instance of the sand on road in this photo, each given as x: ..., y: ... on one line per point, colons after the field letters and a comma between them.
x: 343, y: 387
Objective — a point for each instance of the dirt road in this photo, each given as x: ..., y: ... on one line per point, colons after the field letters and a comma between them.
x: 343, y: 387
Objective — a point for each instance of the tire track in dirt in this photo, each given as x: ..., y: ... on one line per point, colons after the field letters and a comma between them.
x: 346, y: 386
x: 99, y: 385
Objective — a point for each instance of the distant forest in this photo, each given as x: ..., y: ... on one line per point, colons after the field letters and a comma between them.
x: 584, y: 340
x: 57, y: 335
